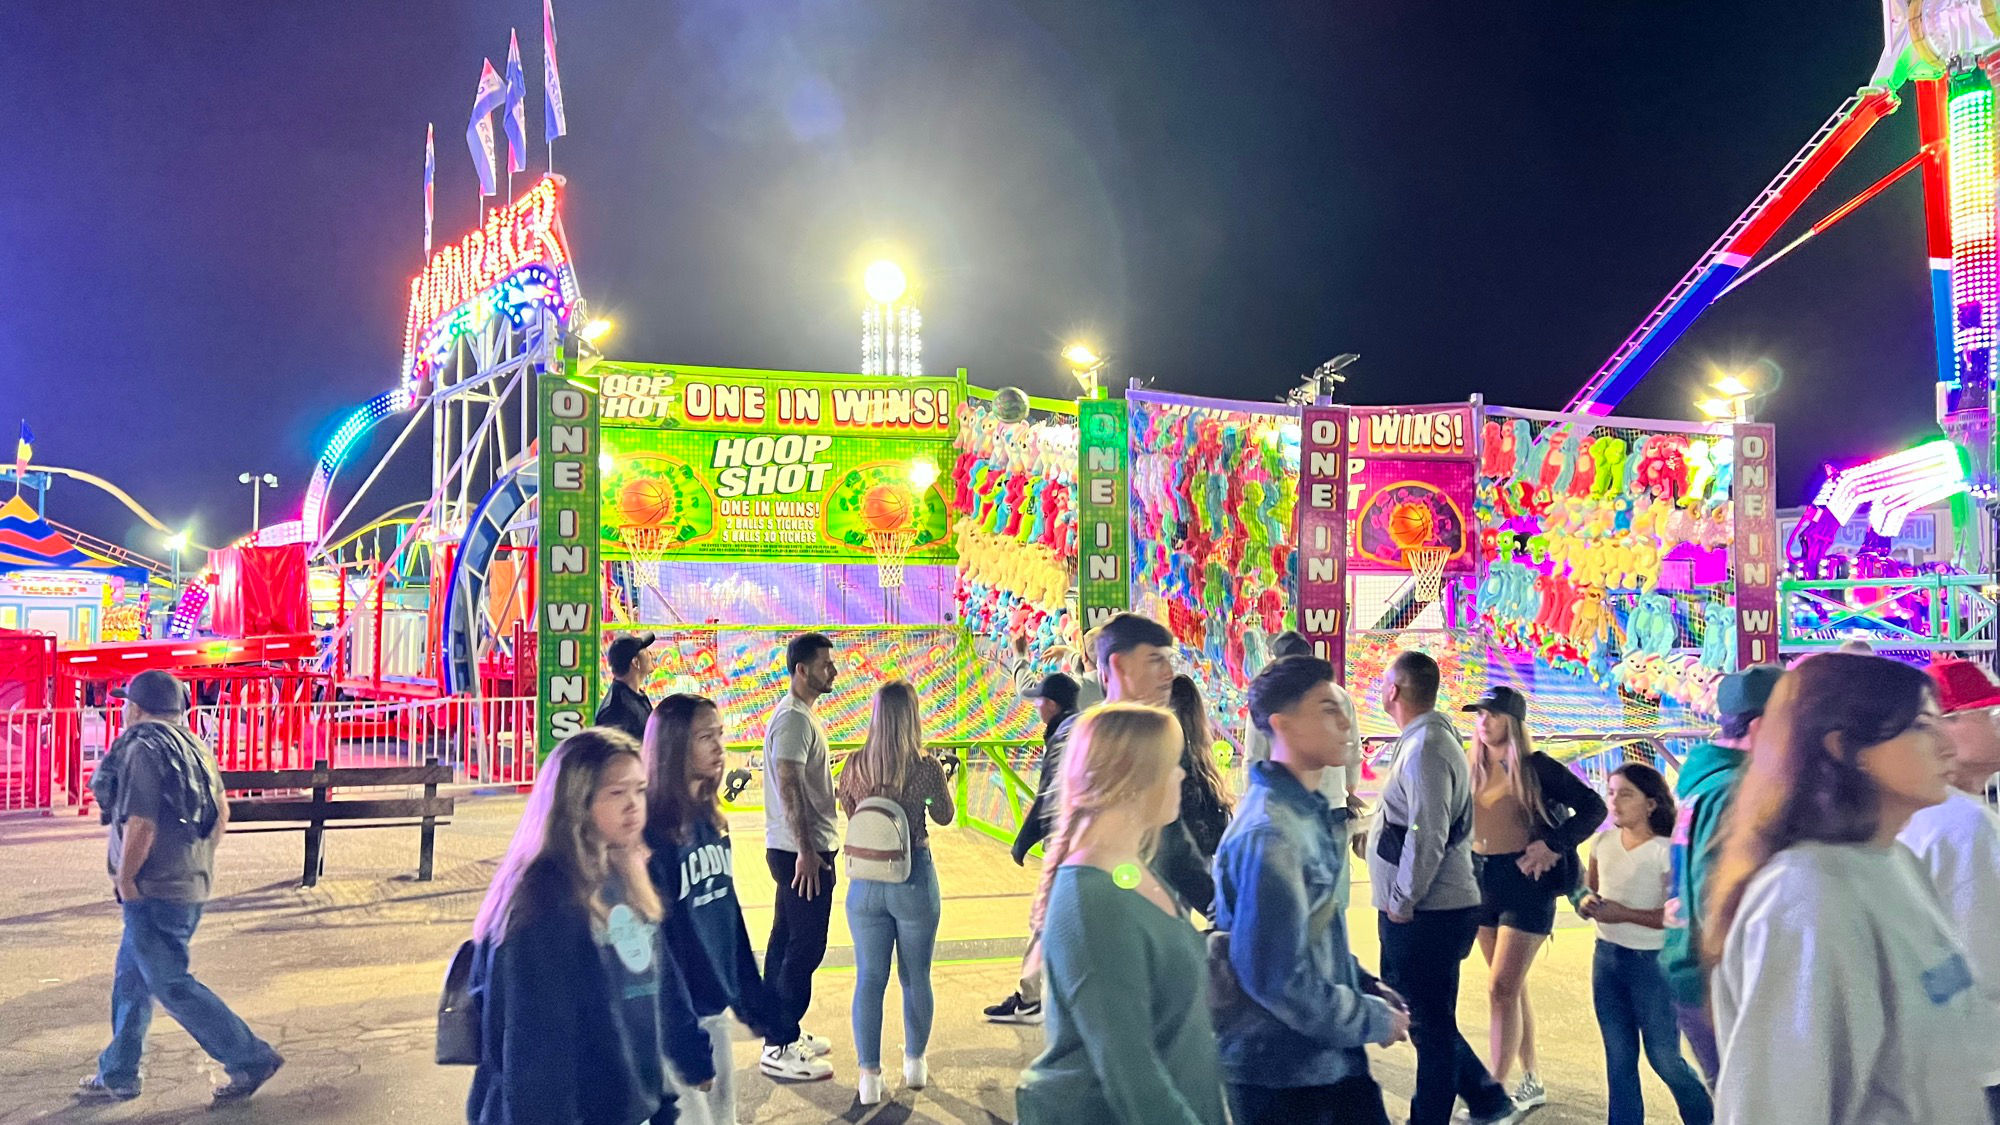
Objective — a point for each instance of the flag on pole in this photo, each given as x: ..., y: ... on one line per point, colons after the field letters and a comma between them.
x: 515, y: 120
x: 479, y: 134
x: 554, y: 124
x: 24, y: 450
x: 430, y: 182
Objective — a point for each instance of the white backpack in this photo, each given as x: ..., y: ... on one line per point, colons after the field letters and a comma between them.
x: 878, y: 842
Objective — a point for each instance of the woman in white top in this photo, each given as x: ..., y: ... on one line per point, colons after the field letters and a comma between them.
x: 1628, y: 897
x: 1841, y: 994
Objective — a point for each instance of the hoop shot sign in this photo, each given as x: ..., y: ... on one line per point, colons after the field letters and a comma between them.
x: 1320, y: 516
x: 1411, y: 478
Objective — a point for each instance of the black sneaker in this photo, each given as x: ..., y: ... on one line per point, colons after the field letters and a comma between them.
x: 1015, y: 1010
x: 239, y: 1088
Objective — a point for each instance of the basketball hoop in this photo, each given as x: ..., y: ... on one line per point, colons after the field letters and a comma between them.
x: 891, y: 548
x: 647, y: 548
x: 1427, y: 563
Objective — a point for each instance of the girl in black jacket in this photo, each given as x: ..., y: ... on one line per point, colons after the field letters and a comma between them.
x: 578, y: 1000
x: 1529, y: 813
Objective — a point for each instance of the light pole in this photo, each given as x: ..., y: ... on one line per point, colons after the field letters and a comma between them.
x: 176, y: 543
x: 1735, y: 396
x: 892, y: 328
x: 1085, y: 364
x: 258, y: 483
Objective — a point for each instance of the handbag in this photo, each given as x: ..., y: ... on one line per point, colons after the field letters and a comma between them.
x: 459, y: 1010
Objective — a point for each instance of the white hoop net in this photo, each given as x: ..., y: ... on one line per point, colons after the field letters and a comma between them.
x: 1427, y: 563
x: 647, y: 548
x: 891, y: 548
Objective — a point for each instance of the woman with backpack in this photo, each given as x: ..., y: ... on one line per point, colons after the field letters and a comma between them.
x: 887, y: 789
x: 693, y: 868
x: 578, y: 1002
x: 1529, y: 814
x: 1206, y: 802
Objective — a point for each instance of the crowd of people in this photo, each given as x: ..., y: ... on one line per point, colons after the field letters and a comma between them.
x: 1812, y: 907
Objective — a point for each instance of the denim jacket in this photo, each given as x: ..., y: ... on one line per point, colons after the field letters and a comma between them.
x: 1281, y: 893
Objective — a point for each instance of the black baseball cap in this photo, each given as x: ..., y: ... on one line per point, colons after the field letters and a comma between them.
x: 1056, y: 688
x: 1503, y: 699
x: 155, y: 691
x: 623, y: 648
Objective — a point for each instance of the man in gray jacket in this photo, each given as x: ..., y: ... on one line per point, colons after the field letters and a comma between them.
x: 1420, y: 868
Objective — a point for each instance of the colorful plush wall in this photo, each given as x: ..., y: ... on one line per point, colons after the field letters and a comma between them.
x: 1014, y: 522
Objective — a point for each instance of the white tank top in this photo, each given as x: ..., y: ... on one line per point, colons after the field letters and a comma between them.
x: 1636, y: 878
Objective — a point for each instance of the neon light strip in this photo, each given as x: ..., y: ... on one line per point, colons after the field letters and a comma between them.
x: 1896, y: 486
x: 1970, y: 115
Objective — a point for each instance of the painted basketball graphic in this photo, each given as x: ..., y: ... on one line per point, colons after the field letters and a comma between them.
x: 646, y: 502
x: 1403, y: 515
x: 886, y: 507
x: 1411, y: 524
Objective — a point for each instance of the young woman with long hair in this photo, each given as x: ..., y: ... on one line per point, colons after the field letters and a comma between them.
x: 1841, y: 994
x: 1206, y: 802
x: 580, y: 1003
x: 1629, y: 869
x: 1130, y: 1040
x: 693, y: 868
x: 1529, y: 814
x: 895, y: 917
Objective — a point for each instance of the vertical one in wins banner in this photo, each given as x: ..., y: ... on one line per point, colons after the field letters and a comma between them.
x: 1103, y: 587
x: 1756, y: 548
x: 1321, y: 518
x: 567, y: 640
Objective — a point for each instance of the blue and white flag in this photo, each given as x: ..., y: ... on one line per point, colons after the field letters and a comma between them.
x: 479, y: 134
x: 554, y: 124
x: 430, y: 184
x: 515, y: 120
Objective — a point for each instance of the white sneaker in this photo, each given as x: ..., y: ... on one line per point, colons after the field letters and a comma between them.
x: 916, y: 1072
x: 793, y: 1063
x: 1512, y: 1115
x: 1530, y: 1093
x: 869, y: 1091
x: 818, y: 1045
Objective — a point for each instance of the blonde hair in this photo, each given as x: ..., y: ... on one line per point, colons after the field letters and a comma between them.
x: 895, y: 738
x: 556, y: 852
x: 1520, y: 776
x: 1118, y: 753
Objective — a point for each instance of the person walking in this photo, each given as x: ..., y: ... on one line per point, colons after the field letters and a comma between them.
x: 1841, y: 993
x: 1129, y: 1035
x: 1055, y: 700
x: 1340, y: 787
x: 579, y: 1003
x: 1958, y: 841
x: 1292, y: 1030
x: 693, y: 867
x: 625, y: 705
x: 801, y: 835
x: 1421, y: 876
x: 1627, y: 900
x: 1206, y: 802
x: 1529, y: 815
x: 160, y: 792
x: 1705, y: 788
x: 887, y: 916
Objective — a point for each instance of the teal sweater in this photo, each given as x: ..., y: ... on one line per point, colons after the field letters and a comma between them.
x: 1129, y: 1038
x: 1706, y: 786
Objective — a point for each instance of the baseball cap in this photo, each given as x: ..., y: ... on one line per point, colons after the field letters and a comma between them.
x: 1503, y: 699
x: 1746, y: 692
x: 1964, y: 685
x: 155, y: 691
x: 623, y: 648
x: 1056, y: 688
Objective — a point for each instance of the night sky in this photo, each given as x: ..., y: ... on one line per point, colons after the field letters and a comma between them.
x: 212, y: 210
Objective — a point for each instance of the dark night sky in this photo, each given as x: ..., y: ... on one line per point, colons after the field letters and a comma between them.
x: 214, y: 208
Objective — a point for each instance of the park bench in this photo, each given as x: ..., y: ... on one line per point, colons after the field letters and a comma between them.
x: 315, y: 812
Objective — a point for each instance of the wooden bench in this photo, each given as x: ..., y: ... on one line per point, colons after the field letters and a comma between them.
x: 392, y: 812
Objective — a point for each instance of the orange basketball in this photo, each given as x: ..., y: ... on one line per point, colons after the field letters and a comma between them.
x: 646, y: 502
x: 1410, y: 524
x: 886, y: 507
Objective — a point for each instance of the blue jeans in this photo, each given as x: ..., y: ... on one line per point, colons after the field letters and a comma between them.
x: 153, y: 964
x: 1629, y: 990
x: 904, y: 917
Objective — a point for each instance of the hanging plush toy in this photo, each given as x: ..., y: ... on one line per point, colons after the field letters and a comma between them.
x: 1718, y: 640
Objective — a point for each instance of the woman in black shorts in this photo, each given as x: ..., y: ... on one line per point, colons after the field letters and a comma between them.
x: 1529, y: 813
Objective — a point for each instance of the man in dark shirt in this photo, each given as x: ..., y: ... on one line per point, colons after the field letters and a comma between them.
x: 161, y: 795
x: 625, y: 706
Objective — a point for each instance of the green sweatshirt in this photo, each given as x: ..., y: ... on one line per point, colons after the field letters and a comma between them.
x: 1706, y: 787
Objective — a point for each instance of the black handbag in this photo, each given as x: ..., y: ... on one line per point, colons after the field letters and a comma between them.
x: 458, y: 1010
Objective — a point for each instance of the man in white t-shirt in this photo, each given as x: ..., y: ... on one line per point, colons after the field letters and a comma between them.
x: 1958, y: 842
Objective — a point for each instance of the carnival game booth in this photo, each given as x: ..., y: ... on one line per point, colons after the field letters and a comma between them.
x: 48, y: 585
x: 1600, y: 564
x: 728, y: 510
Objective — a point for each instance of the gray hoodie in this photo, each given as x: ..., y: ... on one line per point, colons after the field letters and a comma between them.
x: 1420, y: 841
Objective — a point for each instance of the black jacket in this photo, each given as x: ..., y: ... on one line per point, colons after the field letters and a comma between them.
x: 1576, y: 809
x: 1035, y: 822
x: 626, y: 710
